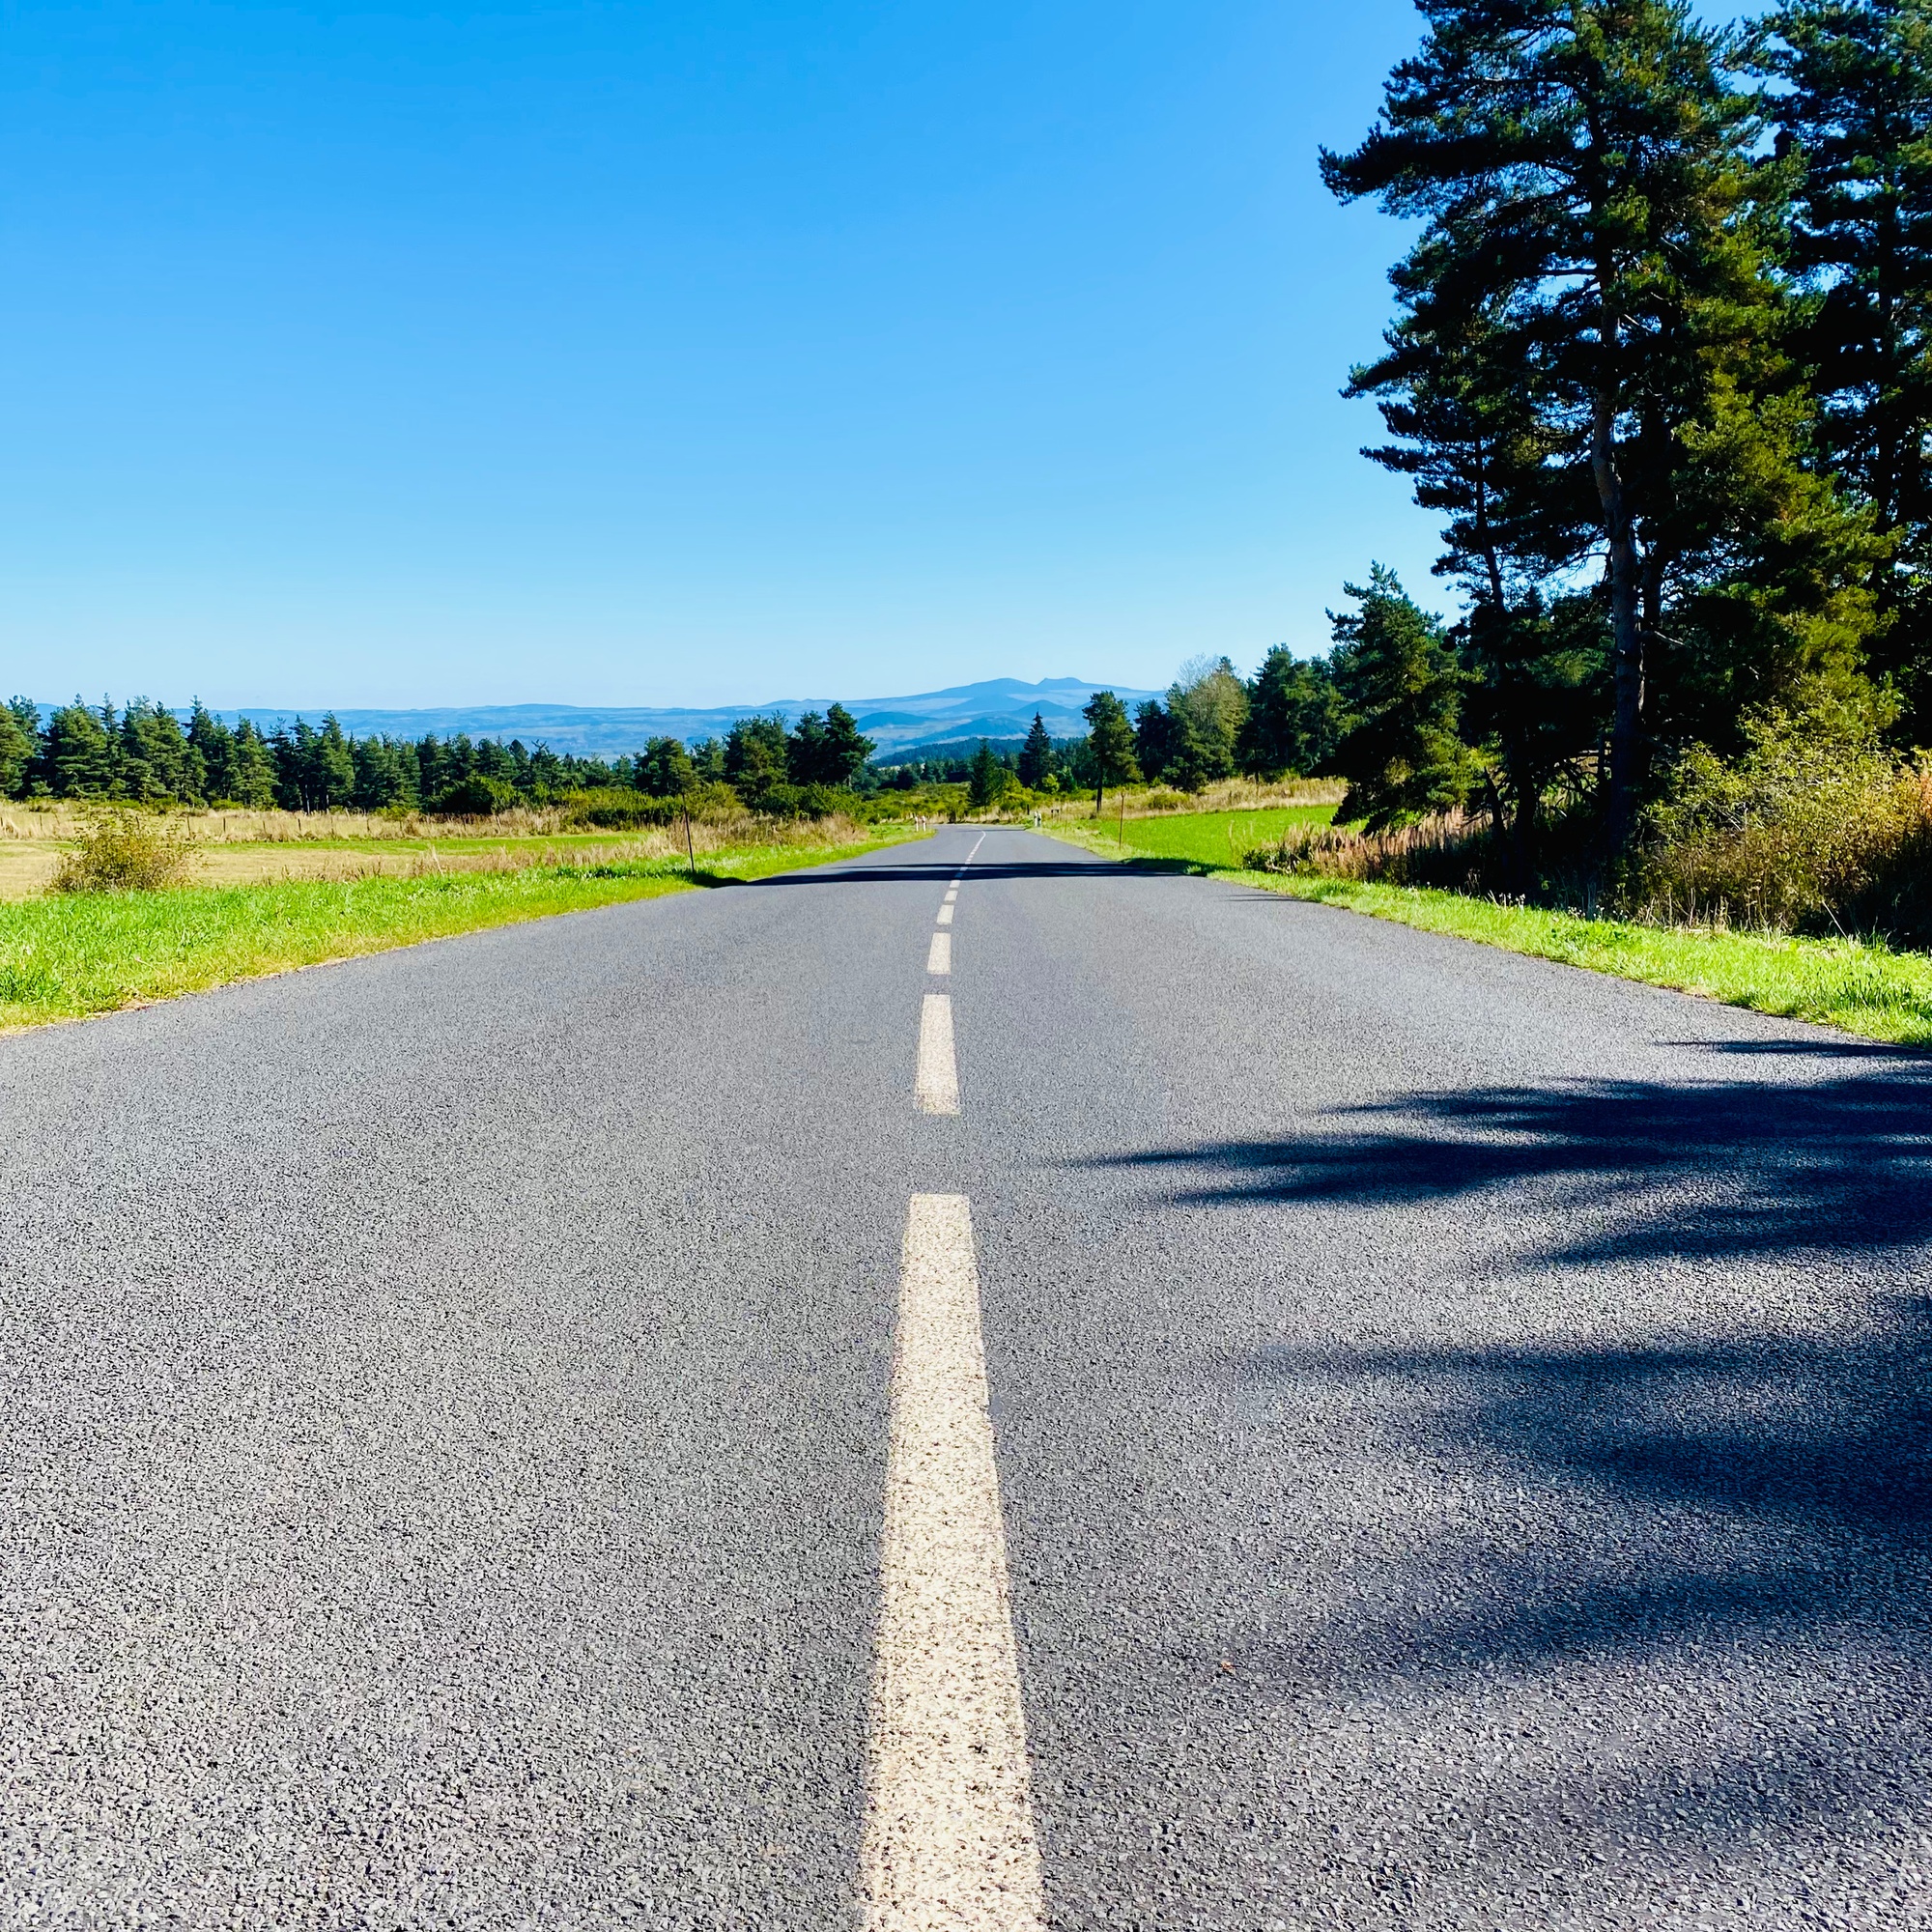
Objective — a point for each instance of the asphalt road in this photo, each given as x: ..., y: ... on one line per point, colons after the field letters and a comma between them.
x: 1460, y: 1424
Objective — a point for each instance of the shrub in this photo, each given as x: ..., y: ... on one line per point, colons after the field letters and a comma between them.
x: 473, y: 796
x: 127, y: 852
x: 1451, y: 851
x: 1814, y: 827
x: 619, y: 808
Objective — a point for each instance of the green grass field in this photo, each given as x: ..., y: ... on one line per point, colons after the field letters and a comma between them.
x: 1212, y: 839
x: 1859, y: 988
x: 63, y: 958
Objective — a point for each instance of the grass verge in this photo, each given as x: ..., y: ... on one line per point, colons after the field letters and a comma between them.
x: 1858, y: 987
x: 64, y: 957
x: 1214, y: 840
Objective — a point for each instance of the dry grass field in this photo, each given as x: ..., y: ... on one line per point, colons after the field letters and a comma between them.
x: 247, y: 848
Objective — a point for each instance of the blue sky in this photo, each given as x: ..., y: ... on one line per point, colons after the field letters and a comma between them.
x: 681, y: 353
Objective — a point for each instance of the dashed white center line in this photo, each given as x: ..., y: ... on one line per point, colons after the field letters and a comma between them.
x: 952, y: 893
x: 936, y: 1084
x: 939, y: 958
x: 948, y: 1821
x: 945, y: 912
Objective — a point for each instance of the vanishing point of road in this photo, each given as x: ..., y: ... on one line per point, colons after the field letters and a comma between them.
x: 967, y: 1388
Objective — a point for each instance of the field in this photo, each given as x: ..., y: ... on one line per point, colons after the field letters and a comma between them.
x: 259, y: 848
x: 63, y: 958
x: 1212, y: 839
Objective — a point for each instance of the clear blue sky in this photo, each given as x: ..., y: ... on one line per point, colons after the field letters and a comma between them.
x: 681, y: 353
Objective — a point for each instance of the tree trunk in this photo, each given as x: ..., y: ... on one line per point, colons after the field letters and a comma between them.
x: 1626, y: 623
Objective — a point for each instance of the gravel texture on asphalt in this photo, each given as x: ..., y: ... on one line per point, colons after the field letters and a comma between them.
x: 1461, y: 1422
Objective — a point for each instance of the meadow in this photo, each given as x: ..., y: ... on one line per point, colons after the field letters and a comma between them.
x: 67, y: 955
x: 1217, y: 840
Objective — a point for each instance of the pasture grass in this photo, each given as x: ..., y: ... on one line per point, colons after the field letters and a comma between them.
x: 70, y: 955
x: 1216, y: 839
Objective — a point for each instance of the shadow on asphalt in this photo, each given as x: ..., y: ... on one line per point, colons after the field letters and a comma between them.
x: 878, y: 875
x: 1836, y: 1167
x: 1756, y: 1501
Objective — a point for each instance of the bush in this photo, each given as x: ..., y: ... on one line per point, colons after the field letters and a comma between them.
x: 473, y: 796
x: 812, y: 800
x: 1815, y: 828
x: 128, y: 852
x: 1450, y: 851
x: 619, y: 808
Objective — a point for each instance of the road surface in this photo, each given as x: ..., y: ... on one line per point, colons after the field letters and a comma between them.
x: 1174, y: 1407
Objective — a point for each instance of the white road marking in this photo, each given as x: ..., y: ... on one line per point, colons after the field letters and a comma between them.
x: 945, y: 912
x: 936, y: 1087
x: 950, y: 1842
x: 939, y: 958
x: 952, y: 893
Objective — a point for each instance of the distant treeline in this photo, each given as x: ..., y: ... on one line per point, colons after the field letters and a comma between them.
x: 143, y: 754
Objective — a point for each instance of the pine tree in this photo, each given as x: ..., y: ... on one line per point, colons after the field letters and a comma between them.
x: 19, y: 742
x: 1589, y: 321
x: 1403, y: 688
x: 1035, y: 755
x: 1153, y: 738
x: 665, y: 770
x: 846, y: 748
x: 805, y: 749
x: 1856, y: 105
x: 1194, y: 761
x: 1110, y: 744
x: 985, y: 778
x: 1294, y: 721
x: 755, y: 756
x: 213, y: 745
x: 252, y: 769
x: 77, y: 755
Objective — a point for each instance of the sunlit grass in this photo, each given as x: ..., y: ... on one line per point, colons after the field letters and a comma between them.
x: 1216, y: 839
x: 67, y: 956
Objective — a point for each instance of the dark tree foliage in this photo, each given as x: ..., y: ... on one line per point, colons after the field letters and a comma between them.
x: 1036, y: 758
x: 19, y: 737
x: 665, y: 770
x: 144, y: 754
x: 755, y: 758
x: 1587, y: 368
x: 826, y: 751
x: 1294, y: 717
x: 1402, y: 689
x: 1153, y: 738
x: 76, y: 757
x: 1855, y: 108
x: 1109, y: 743
x: 985, y: 777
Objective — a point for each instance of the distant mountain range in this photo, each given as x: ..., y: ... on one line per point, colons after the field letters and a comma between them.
x: 1000, y: 707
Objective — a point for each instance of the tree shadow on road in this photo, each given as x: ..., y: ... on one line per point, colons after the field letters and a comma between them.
x: 939, y: 874
x: 1717, y: 1169
x: 1734, y: 1505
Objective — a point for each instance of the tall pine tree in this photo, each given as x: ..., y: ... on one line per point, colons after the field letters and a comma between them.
x: 1589, y: 322
x: 1855, y: 105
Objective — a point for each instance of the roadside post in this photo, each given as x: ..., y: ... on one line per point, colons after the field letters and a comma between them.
x: 690, y: 852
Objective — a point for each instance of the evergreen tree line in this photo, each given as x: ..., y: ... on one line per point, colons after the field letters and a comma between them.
x: 143, y: 754
x: 1662, y: 363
